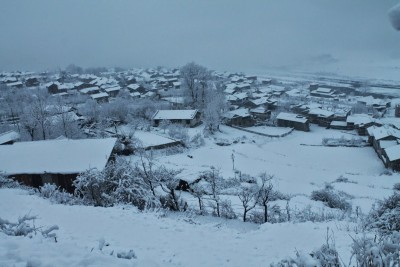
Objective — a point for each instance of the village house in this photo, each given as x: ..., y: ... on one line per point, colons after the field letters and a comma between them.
x: 54, y: 161
x: 100, y: 97
x: 9, y: 138
x: 377, y: 136
x: 360, y: 122
x: 260, y: 113
x: 323, y: 92
x: 112, y: 91
x: 238, y: 117
x: 292, y: 120
x: 189, y: 118
x: 320, y: 116
x: 391, y: 157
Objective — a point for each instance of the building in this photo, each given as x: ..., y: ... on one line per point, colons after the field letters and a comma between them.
x: 239, y: 117
x: 54, y: 161
x: 292, y: 120
x: 189, y: 117
x: 9, y: 138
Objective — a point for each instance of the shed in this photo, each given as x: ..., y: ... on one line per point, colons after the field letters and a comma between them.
x: 54, y: 161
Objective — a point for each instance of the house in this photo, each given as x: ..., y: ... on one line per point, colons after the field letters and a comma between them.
x: 323, y: 92
x: 391, y: 157
x: 189, y: 118
x: 360, y: 122
x: 90, y: 90
x: 379, y: 134
x: 320, y: 116
x: 113, y: 91
x: 292, y: 120
x: 9, y: 138
x: 238, y: 117
x: 54, y: 161
x: 260, y: 113
x: 100, y: 97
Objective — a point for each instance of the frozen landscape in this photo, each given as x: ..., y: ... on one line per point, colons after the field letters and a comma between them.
x: 209, y: 133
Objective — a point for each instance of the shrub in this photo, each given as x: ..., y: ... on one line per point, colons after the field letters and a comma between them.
x: 382, y: 252
x: 6, y: 182
x: 326, y: 256
x: 197, y: 140
x: 226, y: 210
x: 179, y: 132
x: 55, y: 194
x: 119, y: 182
x: 385, y: 216
x: 331, y: 199
x: 396, y: 187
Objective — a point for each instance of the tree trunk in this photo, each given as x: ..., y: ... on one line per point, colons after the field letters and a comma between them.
x: 244, y: 215
x: 265, y: 213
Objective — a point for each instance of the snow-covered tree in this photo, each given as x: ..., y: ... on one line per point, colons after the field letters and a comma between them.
x: 195, y: 82
x: 248, y: 195
x: 265, y: 193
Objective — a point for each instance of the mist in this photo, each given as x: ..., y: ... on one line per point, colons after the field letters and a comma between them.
x: 225, y: 35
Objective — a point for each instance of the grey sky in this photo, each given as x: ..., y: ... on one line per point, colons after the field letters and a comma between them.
x: 221, y: 34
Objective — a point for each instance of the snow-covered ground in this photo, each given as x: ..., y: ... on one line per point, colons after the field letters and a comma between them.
x: 157, y: 240
x: 299, y: 163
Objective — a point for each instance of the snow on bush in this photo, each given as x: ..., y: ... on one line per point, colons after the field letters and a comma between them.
x: 331, y: 198
x: 383, y: 251
x: 396, y: 186
x: 354, y: 142
x: 6, y: 182
x: 394, y: 16
x: 326, y: 256
x: 179, y: 132
x: 25, y: 226
x: 385, y: 216
x: 119, y: 182
x: 56, y: 194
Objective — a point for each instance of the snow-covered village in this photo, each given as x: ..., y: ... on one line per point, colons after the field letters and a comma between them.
x: 190, y: 162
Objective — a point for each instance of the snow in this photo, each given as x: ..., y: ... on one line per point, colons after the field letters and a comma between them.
x: 393, y: 152
x: 175, y: 114
x: 99, y: 95
x: 55, y: 156
x: 291, y: 117
x: 157, y: 239
x: 9, y: 136
x: 270, y: 130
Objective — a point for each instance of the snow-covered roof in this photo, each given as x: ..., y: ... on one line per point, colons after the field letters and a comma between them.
x: 320, y: 112
x: 99, y: 95
x: 9, y: 136
x: 112, y: 89
x: 88, y: 90
x: 358, y: 119
x: 55, y: 156
x: 382, y: 132
x: 242, y: 112
x: 175, y: 114
x: 291, y: 117
x: 393, y: 152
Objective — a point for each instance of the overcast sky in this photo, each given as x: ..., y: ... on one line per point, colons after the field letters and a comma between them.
x: 220, y: 34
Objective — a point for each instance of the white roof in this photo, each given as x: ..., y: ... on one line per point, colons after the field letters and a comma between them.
x: 111, y: 89
x: 55, y: 156
x: 9, y: 136
x: 358, y: 119
x: 393, y: 152
x: 320, y: 112
x: 242, y: 112
x: 175, y: 114
x: 90, y: 89
x: 99, y: 95
x: 291, y: 117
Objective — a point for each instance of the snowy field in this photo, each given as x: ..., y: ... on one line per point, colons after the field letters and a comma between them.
x: 299, y: 163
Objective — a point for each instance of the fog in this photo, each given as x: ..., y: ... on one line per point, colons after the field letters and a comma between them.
x: 224, y: 34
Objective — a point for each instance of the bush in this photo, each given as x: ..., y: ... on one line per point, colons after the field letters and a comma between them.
x: 331, y: 199
x: 226, y: 210
x: 373, y: 252
x: 119, y: 182
x: 6, y: 182
x: 197, y: 140
x: 396, y: 187
x: 385, y: 216
x: 25, y: 226
x: 55, y: 194
x: 326, y: 256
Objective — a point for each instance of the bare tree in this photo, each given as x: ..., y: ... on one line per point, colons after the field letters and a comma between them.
x: 265, y: 193
x: 213, y: 178
x: 248, y: 195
